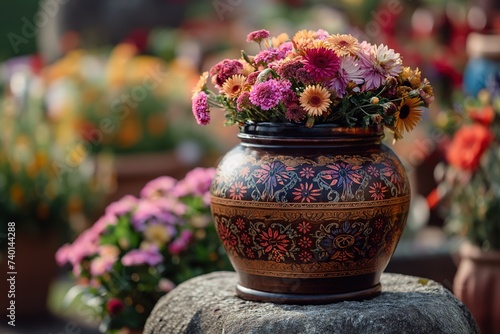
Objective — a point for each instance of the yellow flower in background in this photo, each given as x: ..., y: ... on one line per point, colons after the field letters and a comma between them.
x: 130, y: 132
x: 157, y: 234
x: 117, y: 64
x: 17, y: 194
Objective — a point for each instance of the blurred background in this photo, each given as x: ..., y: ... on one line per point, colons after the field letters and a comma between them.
x: 95, y: 102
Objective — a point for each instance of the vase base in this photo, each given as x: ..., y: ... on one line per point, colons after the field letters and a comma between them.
x: 306, y: 299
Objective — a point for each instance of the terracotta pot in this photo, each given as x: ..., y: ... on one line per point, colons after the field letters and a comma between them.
x: 477, y: 285
x: 309, y: 215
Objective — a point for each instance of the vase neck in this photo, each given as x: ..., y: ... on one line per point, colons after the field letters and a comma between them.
x: 295, y: 135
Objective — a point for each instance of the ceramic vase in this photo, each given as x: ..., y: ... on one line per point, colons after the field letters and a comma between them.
x: 309, y: 215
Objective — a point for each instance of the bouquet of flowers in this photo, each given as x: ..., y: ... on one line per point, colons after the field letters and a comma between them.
x: 142, y: 247
x: 470, y: 181
x: 315, y: 77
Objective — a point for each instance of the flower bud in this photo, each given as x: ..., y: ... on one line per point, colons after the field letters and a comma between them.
x: 390, y: 108
x: 376, y: 118
x: 374, y: 100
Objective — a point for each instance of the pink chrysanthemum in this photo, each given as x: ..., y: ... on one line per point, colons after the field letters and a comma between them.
x: 257, y: 36
x: 377, y: 64
x: 200, y: 108
x: 348, y: 71
x: 267, y: 94
x: 321, y: 63
x: 295, y: 113
x: 243, y: 101
x: 225, y: 69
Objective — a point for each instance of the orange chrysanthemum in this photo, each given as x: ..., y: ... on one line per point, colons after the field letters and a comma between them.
x: 344, y: 45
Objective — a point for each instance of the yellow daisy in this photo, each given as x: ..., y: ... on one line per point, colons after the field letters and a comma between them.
x: 410, y: 76
x: 234, y: 85
x: 409, y: 114
x: 280, y: 39
x: 303, y: 39
x: 247, y: 68
x: 200, y: 85
x: 344, y: 45
x: 315, y: 100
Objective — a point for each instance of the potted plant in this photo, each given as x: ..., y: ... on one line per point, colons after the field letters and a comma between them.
x: 311, y: 205
x: 49, y: 190
x: 469, y: 196
x: 143, y: 246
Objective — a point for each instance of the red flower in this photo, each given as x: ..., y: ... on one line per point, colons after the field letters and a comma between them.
x: 483, y: 115
x: 273, y: 240
x: 468, y: 145
x: 114, y: 306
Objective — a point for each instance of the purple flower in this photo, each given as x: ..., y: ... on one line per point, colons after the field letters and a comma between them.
x: 150, y: 255
x: 158, y: 187
x: 85, y: 245
x: 266, y: 56
x: 267, y: 94
x: 63, y: 254
x: 181, y: 243
x: 257, y: 36
x: 150, y: 210
x: 102, y: 223
x: 200, y: 108
x: 197, y: 182
x: 295, y: 113
x: 123, y: 206
x: 348, y: 71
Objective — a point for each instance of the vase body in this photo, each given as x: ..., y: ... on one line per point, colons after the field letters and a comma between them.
x: 309, y: 216
x: 477, y: 285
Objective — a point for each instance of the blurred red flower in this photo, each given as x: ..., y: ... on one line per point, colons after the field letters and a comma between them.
x: 468, y: 146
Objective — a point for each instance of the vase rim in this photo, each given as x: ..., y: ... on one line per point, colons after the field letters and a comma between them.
x: 269, y: 133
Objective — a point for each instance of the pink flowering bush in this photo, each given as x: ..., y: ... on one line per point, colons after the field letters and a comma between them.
x: 315, y: 77
x: 142, y: 247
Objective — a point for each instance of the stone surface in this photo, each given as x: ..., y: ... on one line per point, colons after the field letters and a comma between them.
x: 208, y: 304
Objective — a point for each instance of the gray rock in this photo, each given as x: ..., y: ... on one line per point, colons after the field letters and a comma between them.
x: 208, y: 304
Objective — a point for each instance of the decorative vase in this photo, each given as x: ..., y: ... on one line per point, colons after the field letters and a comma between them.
x: 477, y: 285
x: 309, y: 215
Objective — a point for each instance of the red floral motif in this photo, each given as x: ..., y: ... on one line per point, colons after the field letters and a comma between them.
x: 305, y: 242
x: 379, y: 223
x: 272, y: 240
x: 306, y: 193
x: 304, y: 227
x: 392, y: 173
x: 307, y: 172
x: 305, y: 256
x: 371, y: 170
x: 377, y: 191
x: 240, y: 223
x: 227, y: 237
x: 277, y: 256
x: 376, y: 238
x: 245, y: 239
x: 250, y: 254
x: 237, y: 191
